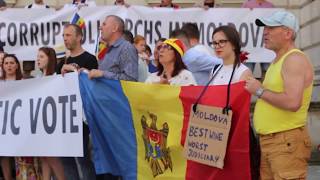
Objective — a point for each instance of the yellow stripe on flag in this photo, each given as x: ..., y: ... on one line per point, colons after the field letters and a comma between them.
x: 162, y: 104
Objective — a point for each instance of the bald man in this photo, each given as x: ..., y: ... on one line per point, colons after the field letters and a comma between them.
x: 121, y: 61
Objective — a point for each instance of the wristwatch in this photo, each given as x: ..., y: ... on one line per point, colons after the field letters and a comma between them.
x: 259, y: 92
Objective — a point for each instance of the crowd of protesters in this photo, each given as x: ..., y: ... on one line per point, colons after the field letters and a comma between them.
x: 206, y: 4
x: 182, y: 60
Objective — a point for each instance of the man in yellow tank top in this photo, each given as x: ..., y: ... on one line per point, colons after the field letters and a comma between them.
x: 284, y: 96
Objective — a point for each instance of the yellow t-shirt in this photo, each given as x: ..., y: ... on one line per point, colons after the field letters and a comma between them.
x: 270, y: 119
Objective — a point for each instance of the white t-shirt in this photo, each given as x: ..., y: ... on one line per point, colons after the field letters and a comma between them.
x: 223, y: 74
x: 184, y: 78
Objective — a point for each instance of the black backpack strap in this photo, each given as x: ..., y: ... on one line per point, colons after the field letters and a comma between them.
x: 215, y: 67
x: 194, y: 108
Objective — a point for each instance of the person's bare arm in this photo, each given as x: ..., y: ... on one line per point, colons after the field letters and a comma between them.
x: 293, y: 75
x: 245, y: 75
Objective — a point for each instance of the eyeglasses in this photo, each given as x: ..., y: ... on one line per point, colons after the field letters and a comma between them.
x: 219, y: 44
x: 165, y: 46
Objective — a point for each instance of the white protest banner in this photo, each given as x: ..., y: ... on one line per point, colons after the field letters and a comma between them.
x: 41, y: 117
x: 23, y: 31
x: 207, y: 135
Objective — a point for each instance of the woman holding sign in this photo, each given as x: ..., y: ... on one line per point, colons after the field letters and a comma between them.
x: 46, y: 61
x: 227, y: 45
x: 11, y: 72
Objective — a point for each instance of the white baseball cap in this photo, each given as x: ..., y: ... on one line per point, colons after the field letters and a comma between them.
x: 280, y: 18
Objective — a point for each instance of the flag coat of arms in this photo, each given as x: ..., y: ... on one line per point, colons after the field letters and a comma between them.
x: 138, y: 130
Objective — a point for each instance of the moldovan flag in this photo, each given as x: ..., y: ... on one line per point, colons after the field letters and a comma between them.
x: 101, y: 48
x: 76, y: 19
x: 137, y: 129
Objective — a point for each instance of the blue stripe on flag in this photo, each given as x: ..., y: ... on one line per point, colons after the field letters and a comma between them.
x: 75, y: 18
x: 111, y: 127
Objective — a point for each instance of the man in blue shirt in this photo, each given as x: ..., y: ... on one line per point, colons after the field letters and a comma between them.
x: 197, y: 61
x: 121, y: 60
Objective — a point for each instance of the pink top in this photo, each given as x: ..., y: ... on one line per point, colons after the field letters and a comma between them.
x: 254, y: 4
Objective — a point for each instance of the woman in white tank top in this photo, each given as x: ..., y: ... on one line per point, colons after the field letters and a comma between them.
x: 226, y: 43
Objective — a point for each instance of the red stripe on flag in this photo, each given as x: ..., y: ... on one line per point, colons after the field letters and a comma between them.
x: 81, y: 23
x: 237, y: 159
x: 102, y: 52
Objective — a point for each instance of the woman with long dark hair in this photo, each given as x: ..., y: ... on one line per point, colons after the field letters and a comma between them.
x: 171, y: 69
x: 47, y: 61
x: 227, y: 45
x: 11, y: 68
x: 11, y: 71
